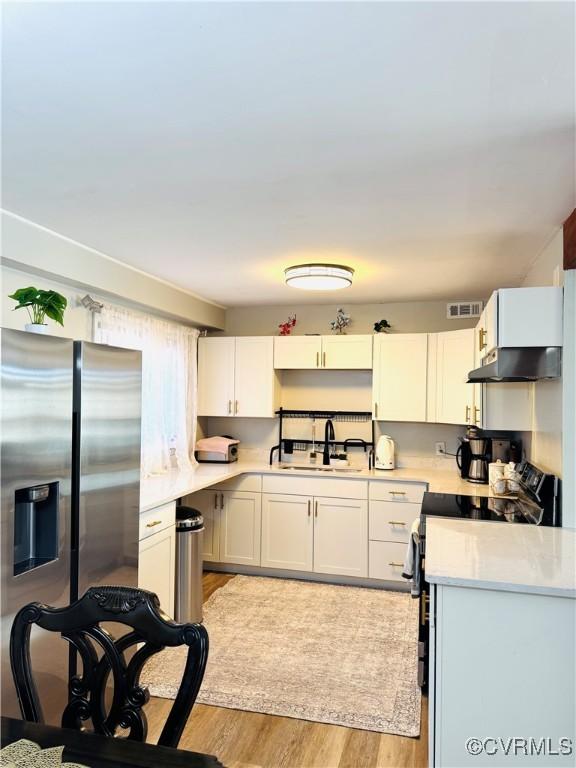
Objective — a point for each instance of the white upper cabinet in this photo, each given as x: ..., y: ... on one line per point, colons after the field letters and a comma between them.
x: 297, y: 351
x: 352, y: 352
x: 236, y: 376
x: 521, y: 317
x: 455, y: 358
x: 216, y: 376
x: 255, y: 382
x: 347, y: 352
x: 399, y: 384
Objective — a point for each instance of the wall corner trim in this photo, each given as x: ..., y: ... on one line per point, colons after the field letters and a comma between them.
x: 33, y: 248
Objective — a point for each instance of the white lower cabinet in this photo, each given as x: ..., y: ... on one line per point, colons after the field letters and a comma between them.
x: 502, y: 671
x: 208, y: 504
x: 341, y: 536
x: 317, y: 534
x: 287, y: 532
x: 387, y: 560
x: 240, y: 523
x: 157, y: 566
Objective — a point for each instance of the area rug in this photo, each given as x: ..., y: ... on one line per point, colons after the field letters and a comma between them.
x: 331, y: 654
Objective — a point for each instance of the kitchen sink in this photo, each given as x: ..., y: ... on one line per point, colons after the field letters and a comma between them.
x: 322, y: 469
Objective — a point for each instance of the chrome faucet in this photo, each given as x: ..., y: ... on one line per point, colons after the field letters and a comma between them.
x: 328, y: 435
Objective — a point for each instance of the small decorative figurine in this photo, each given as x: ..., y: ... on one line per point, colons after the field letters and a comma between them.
x: 286, y: 328
x: 382, y: 326
x: 342, y: 321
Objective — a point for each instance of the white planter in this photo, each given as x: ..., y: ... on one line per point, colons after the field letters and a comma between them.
x: 36, y: 327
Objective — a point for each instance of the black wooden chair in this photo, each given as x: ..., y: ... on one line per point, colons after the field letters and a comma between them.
x: 103, y: 655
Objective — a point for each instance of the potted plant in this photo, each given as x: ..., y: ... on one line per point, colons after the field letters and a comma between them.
x: 39, y: 305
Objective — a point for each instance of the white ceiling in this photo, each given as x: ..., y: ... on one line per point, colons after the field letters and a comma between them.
x: 428, y: 145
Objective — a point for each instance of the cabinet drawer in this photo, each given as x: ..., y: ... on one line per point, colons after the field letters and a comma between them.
x: 241, y: 483
x: 386, y: 490
x: 314, y: 486
x: 386, y: 560
x: 157, y: 519
x: 392, y: 520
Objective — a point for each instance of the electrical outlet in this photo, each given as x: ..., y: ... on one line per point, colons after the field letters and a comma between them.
x: 440, y: 449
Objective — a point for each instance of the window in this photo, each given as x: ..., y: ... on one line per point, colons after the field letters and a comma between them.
x: 168, y: 383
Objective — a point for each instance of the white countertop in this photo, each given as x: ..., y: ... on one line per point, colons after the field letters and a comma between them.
x: 172, y: 485
x: 507, y: 557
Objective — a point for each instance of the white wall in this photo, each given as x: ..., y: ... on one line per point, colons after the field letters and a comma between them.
x: 49, y: 256
x: 544, y: 446
x: 405, y: 317
x: 77, y: 319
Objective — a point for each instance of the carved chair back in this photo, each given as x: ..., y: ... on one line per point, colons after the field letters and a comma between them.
x: 102, y: 655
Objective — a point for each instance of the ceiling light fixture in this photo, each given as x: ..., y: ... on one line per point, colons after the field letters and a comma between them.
x: 319, y: 277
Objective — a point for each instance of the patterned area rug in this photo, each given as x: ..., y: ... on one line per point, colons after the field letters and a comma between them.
x: 331, y: 654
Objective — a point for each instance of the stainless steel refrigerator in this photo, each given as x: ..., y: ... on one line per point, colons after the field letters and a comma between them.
x: 70, y: 462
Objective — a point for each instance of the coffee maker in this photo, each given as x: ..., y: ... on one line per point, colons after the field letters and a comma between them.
x: 473, y: 457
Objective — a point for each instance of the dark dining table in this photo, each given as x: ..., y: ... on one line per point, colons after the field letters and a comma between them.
x: 102, y: 751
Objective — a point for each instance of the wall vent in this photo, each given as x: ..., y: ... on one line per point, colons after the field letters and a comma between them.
x: 457, y: 310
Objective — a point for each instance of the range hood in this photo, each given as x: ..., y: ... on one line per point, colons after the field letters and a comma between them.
x: 519, y: 364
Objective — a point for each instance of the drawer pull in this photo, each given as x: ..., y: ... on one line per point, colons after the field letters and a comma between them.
x: 153, y: 523
x: 396, y: 522
x: 397, y: 493
x: 397, y: 565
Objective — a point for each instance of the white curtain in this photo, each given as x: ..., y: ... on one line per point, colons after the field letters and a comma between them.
x: 169, y: 381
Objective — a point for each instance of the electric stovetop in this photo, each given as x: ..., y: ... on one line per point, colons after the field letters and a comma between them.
x: 496, y: 509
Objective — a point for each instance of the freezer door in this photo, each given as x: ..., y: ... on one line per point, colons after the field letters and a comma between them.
x: 107, y: 408
x: 36, y: 429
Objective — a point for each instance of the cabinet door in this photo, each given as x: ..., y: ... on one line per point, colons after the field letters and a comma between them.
x: 507, y: 406
x: 240, y: 520
x: 400, y: 376
x: 255, y: 378
x: 215, y: 376
x: 455, y: 359
x: 287, y: 532
x: 341, y: 536
x: 347, y: 352
x: 490, y: 339
x: 208, y: 503
x: 157, y: 567
x: 297, y: 351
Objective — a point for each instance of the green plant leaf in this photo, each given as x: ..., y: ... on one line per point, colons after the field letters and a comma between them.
x: 24, y: 296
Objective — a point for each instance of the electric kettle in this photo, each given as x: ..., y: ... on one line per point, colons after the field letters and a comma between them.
x: 384, y: 453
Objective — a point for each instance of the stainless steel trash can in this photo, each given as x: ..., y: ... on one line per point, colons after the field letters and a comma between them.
x: 189, y: 535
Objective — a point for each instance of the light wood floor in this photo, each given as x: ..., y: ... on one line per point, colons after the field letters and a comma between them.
x: 250, y: 740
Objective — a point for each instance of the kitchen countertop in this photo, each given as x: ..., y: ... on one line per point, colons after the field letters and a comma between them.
x: 503, y: 557
x: 173, y: 485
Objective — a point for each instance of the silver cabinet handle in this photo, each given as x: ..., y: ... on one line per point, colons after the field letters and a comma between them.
x: 309, y: 505
x: 324, y: 359
x: 396, y: 522
x: 397, y: 565
x: 229, y: 406
x: 317, y: 359
x: 153, y: 523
